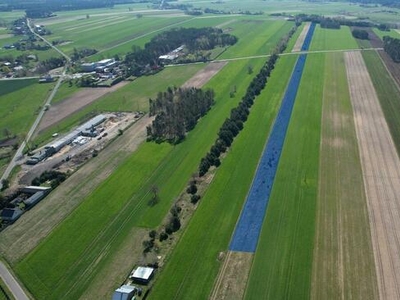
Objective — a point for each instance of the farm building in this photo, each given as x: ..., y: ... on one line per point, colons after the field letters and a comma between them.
x: 34, y: 199
x: 57, y: 145
x: 31, y: 189
x: 142, y: 275
x: 125, y: 292
x: 88, y: 67
x: 11, y: 215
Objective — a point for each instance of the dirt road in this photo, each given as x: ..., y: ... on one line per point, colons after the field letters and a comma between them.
x: 300, y: 39
x: 12, y: 283
x: 381, y: 173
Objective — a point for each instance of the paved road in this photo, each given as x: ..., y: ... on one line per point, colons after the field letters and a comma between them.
x: 12, y: 283
x: 46, y: 41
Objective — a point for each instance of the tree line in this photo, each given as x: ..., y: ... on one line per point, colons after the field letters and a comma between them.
x: 140, y: 60
x: 392, y: 47
x: 234, y: 124
x: 360, y: 34
x: 177, y: 111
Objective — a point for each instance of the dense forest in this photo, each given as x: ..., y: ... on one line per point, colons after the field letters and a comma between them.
x: 177, y: 112
x: 139, y: 61
x: 360, y: 34
x: 392, y: 47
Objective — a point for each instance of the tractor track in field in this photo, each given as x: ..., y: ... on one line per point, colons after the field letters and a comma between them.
x: 301, y: 38
x: 381, y: 173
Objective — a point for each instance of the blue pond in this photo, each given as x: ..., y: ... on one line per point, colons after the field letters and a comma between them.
x: 248, y: 228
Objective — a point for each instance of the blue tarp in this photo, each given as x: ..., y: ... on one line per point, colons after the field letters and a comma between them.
x: 248, y: 228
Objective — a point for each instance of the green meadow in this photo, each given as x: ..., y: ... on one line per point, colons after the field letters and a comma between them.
x: 333, y: 39
x: 170, y: 167
x: 282, y: 263
x: 20, y: 100
x: 192, y: 268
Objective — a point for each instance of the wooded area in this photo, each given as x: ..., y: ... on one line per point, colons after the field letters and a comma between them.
x: 392, y: 47
x: 177, y: 111
x: 141, y: 61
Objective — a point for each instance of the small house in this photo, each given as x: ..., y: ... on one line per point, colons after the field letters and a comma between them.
x: 125, y: 292
x: 11, y: 215
x: 142, y: 275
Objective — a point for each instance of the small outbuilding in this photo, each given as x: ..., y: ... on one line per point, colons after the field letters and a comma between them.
x: 125, y: 292
x: 11, y: 215
x: 142, y: 275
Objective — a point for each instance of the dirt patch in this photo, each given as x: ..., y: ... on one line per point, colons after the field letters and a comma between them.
x: 76, y: 102
x: 5, y: 36
x: 300, y: 40
x: 381, y: 173
x: 232, y: 278
x: 204, y: 75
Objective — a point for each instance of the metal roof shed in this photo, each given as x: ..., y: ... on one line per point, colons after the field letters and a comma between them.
x: 142, y: 274
x: 125, y: 292
x: 11, y: 214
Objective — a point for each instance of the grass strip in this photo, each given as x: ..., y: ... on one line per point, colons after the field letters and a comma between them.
x: 283, y: 260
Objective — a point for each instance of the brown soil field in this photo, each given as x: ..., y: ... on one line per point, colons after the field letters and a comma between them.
x: 74, y: 103
x: 20, y: 238
x: 300, y: 39
x: 343, y: 248
x: 232, y: 278
x: 204, y: 75
x: 381, y: 173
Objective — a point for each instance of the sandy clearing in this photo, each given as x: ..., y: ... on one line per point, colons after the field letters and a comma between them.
x: 204, y: 75
x: 231, y: 280
x: 5, y: 36
x: 381, y: 173
x: 300, y: 39
x: 20, y: 238
x: 76, y: 102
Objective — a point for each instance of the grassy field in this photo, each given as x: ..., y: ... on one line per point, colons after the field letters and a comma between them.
x: 108, y: 32
x: 282, y: 265
x: 192, y: 268
x: 343, y: 247
x: 141, y: 40
x: 392, y: 33
x: 388, y: 93
x: 256, y: 37
x: 120, y: 211
x: 333, y: 39
x: 21, y: 104
x: 132, y: 97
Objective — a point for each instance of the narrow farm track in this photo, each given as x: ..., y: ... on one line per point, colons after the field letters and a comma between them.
x: 381, y: 172
x: 300, y: 39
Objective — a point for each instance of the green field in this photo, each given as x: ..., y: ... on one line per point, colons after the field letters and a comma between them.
x: 192, y: 268
x: 282, y: 264
x: 342, y: 214
x: 333, y: 39
x: 20, y: 100
x: 392, y: 33
x: 388, y: 93
x: 256, y: 37
x: 102, y: 233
